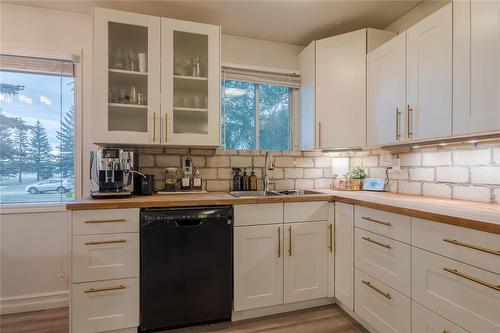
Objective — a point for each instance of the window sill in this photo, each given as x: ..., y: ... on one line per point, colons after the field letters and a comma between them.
x: 18, y: 208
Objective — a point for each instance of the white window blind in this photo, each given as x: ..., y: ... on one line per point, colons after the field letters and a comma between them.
x: 291, y: 80
x: 36, y: 65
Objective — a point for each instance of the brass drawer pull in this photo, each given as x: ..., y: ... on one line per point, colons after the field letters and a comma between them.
x: 319, y: 134
x: 290, y: 238
x: 330, y: 229
x: 386, y: 295
x: 154, y: 127
x: 398, y: 134
x: 106, y: 221
x: 472, y: 246
x: 471, y: 278
x: 387, y: 224
x: 410, y: 122
x: 279, y: 242
x: 96, y: 290
x: 106, y: 242
x: 166, y: 128
x: 368, y: 239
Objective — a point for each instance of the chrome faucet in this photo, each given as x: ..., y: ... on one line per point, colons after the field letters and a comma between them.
x: 268, y: 165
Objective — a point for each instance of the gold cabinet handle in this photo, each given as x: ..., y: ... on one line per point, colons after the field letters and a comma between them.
x: 472, y: 246
x: 383, y: 293
x: 398, y: 134
x: 290, y: 239
x: 376, y: 221
x: 107, y: 221
x: 319, y: 134
x: 154, y: 127
x: 368, y: 239
x: 97, y: 290
x: 410, y: 122
x: 330, y: 230
x: 279, y: 242
x: 472, y: 278
x: 106, y: 242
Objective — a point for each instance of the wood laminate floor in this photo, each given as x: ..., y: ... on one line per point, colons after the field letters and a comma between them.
x: 325, y: 319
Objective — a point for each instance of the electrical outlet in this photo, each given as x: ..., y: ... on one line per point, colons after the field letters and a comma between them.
x: 396, y: 165
x: 187, y: 166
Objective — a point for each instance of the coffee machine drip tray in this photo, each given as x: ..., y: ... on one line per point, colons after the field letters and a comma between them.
x: 109, y: 195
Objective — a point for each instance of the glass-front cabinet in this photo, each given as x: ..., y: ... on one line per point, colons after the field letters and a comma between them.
x: 156, y: 80
x: 190, y: 83
x: 126, y: 77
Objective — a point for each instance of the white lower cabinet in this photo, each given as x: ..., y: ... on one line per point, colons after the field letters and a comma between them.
x: 463, y: 294
x: 344, y: 254
x: 306, y: 261
x: 258, y: 266
x: 385, y: 259
x: 105, y: 305
x: 380, y: 306
x: 424, y: 320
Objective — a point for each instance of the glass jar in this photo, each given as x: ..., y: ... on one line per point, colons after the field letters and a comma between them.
x: 171, y: 178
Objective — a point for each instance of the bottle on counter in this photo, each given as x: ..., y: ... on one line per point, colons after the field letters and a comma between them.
x: 245, y: 181
x: 253, y: 181
x: 236, y: 179
x: 196, y: 181
x: 186, y: 181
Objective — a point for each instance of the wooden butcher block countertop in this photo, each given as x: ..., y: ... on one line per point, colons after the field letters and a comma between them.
x: 474, y: 215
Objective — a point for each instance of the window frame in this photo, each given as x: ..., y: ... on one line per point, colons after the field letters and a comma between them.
x: 291, y: 114
x: 74, y: 55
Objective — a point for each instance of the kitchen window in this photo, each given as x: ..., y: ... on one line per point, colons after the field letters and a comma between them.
x: 257, y: 110
x: 37, y: 130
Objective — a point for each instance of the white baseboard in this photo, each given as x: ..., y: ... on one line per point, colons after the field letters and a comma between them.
x: 282, y: 308
x: 34, y: 302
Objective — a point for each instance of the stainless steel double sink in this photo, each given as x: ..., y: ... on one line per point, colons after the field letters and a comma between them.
x: 252, y: 194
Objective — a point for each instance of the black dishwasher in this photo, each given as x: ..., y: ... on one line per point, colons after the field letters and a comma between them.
x: 186, y: 266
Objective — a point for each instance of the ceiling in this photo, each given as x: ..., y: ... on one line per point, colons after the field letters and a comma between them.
x: 295, y: 22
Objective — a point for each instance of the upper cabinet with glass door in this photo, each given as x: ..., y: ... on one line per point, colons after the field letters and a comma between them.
x: 190, y: 63
x: 126, y: 78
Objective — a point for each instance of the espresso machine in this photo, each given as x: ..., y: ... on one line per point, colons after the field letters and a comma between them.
x: 111, y: 173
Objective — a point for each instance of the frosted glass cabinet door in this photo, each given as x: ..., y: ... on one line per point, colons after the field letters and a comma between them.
x: 190, y: 83
x: 126, y: 77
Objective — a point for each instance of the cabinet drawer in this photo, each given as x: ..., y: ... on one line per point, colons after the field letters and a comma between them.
x: 387, y: 224
x: 306, y: 211
x: 424, y: 320
x: 105, y: 305
x: 383, y: 258
x: 105, y: 221
x: 454, y: 291
x: 103, y: 257
x: 258, y: 214
x: 476, y: 248
x: 382, y: 307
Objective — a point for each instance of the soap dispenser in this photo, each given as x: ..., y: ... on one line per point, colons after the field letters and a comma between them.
x: 236, y: 179
x: 253, y: 181
x: 245, y: 181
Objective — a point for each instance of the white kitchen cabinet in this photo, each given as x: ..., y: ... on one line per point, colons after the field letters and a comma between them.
x: 386, y: 100
x: 463, y: 294
x: 382, y: 307
x: 344, y: 254
x: 424, y: 320
x: 258, y: 266
x: 307, y: 68
x: 341, y: 87
x: 476, y: 66
x: 305, y: 211
x: 190, y: 62
x: 306, y: 261
x: 126, y: 67
x: 429, y: 76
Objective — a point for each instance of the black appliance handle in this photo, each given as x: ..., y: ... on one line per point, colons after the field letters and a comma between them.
x: 188, y: 223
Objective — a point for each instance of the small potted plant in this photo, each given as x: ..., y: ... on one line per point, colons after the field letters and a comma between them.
x: 356, y: 176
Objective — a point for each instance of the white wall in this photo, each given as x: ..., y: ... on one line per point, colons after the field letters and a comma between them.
x: 415, y: 15
x: 260, y: 53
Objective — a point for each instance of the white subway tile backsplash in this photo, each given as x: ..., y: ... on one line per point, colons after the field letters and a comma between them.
x: 452, y: 174
x: 241, y: 161
x: 284, y: 184
x: 436, y: 190
x: 284, y: 162
x: 313, y: 173
x: 304, y: 162
x: 210, y: 173
x: 164, y: 161
x: 218, y: 185
x: 409, y: 187
x: 485, y: 175
x: 436, y: 158
x: 322, y: 162
x: 304, y: 184
x: 472, y: 157
x: 496, y: 155
x: 422, y: 174
x: 322, y: 183
x: 146, y: 161
x: 218, y: 161
x: 471, y: 192
x: 294, y: 173
x: 370, y: 161
x: 411, y: 159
